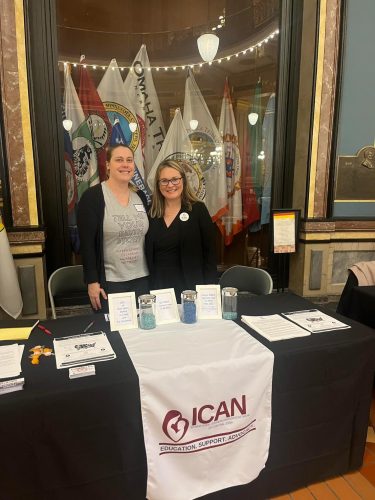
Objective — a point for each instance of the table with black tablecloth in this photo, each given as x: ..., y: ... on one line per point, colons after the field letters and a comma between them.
x: 82, y: 439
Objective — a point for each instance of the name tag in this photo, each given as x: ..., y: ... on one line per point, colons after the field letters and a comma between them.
x: 139, y: 208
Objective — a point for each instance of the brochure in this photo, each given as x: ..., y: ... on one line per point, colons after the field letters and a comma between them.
x: 82, y: 349
x: 315, y: 321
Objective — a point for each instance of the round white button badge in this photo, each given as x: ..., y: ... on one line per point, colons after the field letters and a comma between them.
x: 184, y: 216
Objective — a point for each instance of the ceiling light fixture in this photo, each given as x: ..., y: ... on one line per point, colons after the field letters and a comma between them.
x: 193, y: 124
x: 253, y: 118
x: 132, y: 126
x: 67, y: 124
x: 208, y: 44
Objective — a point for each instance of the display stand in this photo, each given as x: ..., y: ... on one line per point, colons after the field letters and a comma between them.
x: 285, y: 223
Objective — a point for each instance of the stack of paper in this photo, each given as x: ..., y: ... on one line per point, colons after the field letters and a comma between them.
x: 10, y: 360
x: 17, y: 332
x: 315, y: 321
x: 274, y: 327
x: 82, y: 349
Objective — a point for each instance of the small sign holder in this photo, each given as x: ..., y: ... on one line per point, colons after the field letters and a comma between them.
x: 285, y: 228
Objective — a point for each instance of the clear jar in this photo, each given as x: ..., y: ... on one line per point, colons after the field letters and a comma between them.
x: 147, y: 304
x: 189, y: 306
x: 229, y: 302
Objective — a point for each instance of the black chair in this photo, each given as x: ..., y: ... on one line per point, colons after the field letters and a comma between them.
x: 343, y: 306
x: 66, y: 287
x: 247, y: 279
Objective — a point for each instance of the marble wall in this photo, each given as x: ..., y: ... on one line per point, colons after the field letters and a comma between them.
x: 25, y: 237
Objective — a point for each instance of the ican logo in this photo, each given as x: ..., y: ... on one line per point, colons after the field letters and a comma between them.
x: 203, y: 419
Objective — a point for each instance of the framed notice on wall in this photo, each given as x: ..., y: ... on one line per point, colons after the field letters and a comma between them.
x: 285, y: 230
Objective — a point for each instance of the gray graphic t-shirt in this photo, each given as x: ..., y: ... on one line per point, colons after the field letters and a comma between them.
x: 124, y: 232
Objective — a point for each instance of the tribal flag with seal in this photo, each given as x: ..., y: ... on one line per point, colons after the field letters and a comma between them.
x: 96, y: 117
x: 84, y: 152
x: 117, y: 137
x: 10, y: 293
x: 141, y: 89
x: 177, y: 146
x: 231, y: 223
x: 119, y: 107
x: 208, y: 148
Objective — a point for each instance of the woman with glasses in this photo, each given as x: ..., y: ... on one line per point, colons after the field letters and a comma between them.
x: 180, y: 243
x: 112, y: 223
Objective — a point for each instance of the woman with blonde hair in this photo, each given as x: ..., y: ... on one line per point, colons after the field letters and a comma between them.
x: 180, y: 243
x: 112, y: 223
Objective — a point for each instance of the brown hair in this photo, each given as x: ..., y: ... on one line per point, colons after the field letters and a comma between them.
x: 158, y: 201
x: 110, y: 150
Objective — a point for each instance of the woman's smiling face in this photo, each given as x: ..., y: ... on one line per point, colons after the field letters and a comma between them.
x: 170, y: 183
x: 121, y: 165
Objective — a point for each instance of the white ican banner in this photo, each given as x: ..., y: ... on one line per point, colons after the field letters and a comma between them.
x: 206, y: 406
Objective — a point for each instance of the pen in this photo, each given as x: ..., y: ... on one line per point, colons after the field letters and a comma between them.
x: 44, y: 329
x: 88, y: 327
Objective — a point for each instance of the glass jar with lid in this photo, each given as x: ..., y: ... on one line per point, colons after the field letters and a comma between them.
x: 229, y: 302
x: 189, y: 306
x: 147, y: 305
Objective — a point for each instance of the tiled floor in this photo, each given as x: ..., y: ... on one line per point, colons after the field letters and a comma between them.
x: 356, y: 485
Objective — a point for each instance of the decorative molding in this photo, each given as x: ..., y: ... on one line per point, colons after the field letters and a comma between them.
x: 26, y: 237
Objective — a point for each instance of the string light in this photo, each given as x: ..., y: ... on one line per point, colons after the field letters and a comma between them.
x: 191, y: 65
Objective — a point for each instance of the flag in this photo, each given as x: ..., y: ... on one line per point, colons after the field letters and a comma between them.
x: 231, y: 223
x: 119, y: 107
x: 208, y: 148
x: 71, y: 189
x: 117, y: 137
x: 250, y: 207
x: 141, y: 89
x: 10, y: 293
x: 267, y: 140
x: 177, y: 146
x: 96, y: 117
x: 84, y: 153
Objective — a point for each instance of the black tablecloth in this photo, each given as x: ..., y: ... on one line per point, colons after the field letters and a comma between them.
x: 82, y: 439
x: 360, y: 304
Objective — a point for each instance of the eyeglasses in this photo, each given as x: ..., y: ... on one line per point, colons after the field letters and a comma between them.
x: 174, y: 181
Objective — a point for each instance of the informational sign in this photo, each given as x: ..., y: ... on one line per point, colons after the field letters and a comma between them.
x: 122, y: 311
x: 166, y: 310
x: 285, y: 224
x: 208, y: 301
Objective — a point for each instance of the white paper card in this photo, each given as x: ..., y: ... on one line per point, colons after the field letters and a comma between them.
x: 166, y: 310
x: 122, y: 311
x: 208, y: 301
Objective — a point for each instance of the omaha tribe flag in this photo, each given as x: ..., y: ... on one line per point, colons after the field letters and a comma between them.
x: 117, y: 137
x: 84, y: 153
x: 96, y: 117
x: 208, y: 149
x: 139, y: 84
x: 10, y: 294
x: 231, y: 223
x: 177, y: 146
x: 119, y: 107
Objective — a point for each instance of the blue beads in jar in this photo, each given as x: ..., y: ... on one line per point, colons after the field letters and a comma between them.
x: 189, y: 306
x: 147, y: 320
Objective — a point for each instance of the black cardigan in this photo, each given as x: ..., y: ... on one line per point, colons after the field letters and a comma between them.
x: 90, y: 219
x: 196, y: 246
